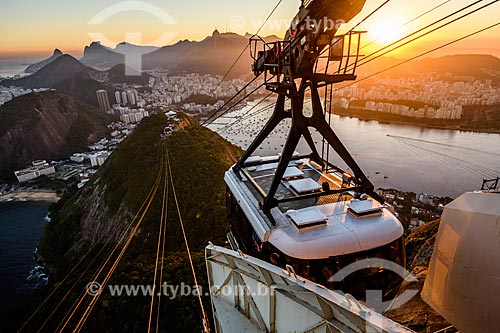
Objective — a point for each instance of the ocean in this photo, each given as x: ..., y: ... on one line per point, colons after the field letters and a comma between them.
x: 21, y: 226
x: 407, y: 158
x: 10, y: 68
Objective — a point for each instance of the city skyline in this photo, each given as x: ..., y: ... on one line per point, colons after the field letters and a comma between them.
x: 35, y: 29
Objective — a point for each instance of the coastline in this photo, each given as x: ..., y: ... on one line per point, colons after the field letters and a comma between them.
x: 48, y: 196
x: 411, y: 123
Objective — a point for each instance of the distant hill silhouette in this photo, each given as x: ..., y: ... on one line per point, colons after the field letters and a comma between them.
x: 37, y: 66
x: 48, y: 125
x: 64, y: 67
x: 83, y: 86
x: 118, y: 74
x: 66, y: 74
x: 213, y: 55
x: 101, y: 57
x: 479, y: 66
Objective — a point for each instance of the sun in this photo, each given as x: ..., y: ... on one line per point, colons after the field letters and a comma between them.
x: 387, y: 30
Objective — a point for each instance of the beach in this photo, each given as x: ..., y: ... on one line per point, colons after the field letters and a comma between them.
x: 30, y: 196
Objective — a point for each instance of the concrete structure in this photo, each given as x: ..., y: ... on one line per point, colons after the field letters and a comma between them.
x: 124, y: 97
x: 78, y: 158
x: 118, y: 97
x: 463, y: 283
x: 99, y: 158
x: 134, y: 116
x: 102, y: 99
x: 131, y: 97
x: 38, y: 169
x: 250, y: 295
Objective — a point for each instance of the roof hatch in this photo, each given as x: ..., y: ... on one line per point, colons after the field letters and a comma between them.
x: 365, y: 208
x: 308, y: 218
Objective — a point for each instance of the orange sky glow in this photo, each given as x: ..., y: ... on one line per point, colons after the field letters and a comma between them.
x: 34, y: 28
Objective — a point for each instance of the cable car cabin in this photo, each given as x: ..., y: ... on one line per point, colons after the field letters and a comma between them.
x: 316, y: 235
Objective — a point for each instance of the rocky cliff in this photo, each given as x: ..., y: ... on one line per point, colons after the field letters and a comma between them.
x: 416, y: 314
x: 49, y: 125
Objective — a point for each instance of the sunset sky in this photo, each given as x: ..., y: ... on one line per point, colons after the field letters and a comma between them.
x: 35, y: 28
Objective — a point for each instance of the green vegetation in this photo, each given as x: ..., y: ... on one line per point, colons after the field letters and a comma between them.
x: 49, y: 125
x: 13, y: 112
x: 133, y: 167
x: 482, y: 116
x: 51, y: 183
x: 81, y: 85
x: 200, y: 99
x: 118, y: 74
x: 199, y: 159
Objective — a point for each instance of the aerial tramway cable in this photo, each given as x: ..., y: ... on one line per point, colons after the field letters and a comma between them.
x: 210, y: 120
x: 408, y: 22
x: 246, y: 47
x: 162, y: 260
x: 421, y: 55
x: 369, y: 15
x: 68, y: 293
x: 161, y: 240
x: 94, y: 300
x: 56, y: 288
x: 143, y: 209
x: 409, y: 60
x: 369, y: 58
x: 71, y: 288
x: 205, y: 317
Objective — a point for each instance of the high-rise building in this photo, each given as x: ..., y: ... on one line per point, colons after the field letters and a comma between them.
x: 118, y: 97
x: 124, y: 97
x: 102, y: 99
x: 131, y: 97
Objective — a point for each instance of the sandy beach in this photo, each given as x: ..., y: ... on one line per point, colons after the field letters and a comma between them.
x: 30, y: 196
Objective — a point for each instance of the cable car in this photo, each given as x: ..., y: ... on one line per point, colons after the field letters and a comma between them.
x: 316, y: 234
x: 302, y: 212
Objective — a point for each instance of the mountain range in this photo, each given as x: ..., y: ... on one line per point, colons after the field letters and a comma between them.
x: 212, y: 55
x: 216, y: 53
x: 101, y: 57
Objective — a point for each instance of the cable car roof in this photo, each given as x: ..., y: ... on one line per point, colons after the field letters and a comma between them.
x: 343, y: 233
x: 312, y: 228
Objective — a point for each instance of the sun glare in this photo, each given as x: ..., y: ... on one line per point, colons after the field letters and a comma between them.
x: 387, y: 30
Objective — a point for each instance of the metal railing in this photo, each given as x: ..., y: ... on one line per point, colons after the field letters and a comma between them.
x: 344, y: 49
x: 449, y: 329
x: 491, y: 185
